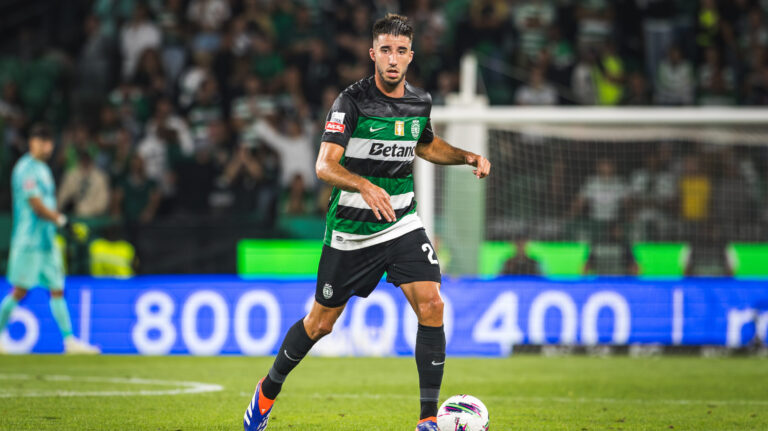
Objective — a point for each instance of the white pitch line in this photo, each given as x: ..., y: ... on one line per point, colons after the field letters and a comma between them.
x: 180, y: 387
x: 580, y: 400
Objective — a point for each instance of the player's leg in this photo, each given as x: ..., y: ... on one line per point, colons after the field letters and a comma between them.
x: 298, y: 342
x: 425, y: 300
x: 413, y: 266
x: 10, y: 302
x: 52, y: 276
x: 23, y: 269
x: 340, y: 275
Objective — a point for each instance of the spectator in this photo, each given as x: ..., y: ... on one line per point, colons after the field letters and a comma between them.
x: 595, y: 18
x: 611, y: 255
x: 637, y: 93
x: 757, y: 86
x: 266, y: 62
x: 136, y: 35
x: 137, y: 197
x: 149, y: 74
x: 297, y: 157
x: 609, y: 77
x: 652, y: 189
x: 674, y: 84
x: 537, y: 91
x: 604, y: 193
x: 520, y: 263
x: 85, y: 188
x: 119, y: 163
x: 733, y: 200
x: 252, y: 105
x: 75, y: 142
x: 173, y: 51
x: 208, y: 15
x: 563, y: 57
x: 583, y: 80
x: 713, y: 66
x: 205, y: 110
x: 532, y: 19
x: 93, y: 69
x: 715, y: 91
x: 695, y: 198
x: 165, y: 116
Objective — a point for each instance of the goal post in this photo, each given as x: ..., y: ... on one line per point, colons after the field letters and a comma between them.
x: 545, y: 185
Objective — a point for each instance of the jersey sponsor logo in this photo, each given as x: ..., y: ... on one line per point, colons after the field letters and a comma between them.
x: 336, y: 123
x: 399, y: 128
x: 29, y: 184
x: 415, y: 128
x: 333, y: 127
x: 394, y: 150
x: 327, y: 291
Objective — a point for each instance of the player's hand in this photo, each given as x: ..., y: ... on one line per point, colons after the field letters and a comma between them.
x: 481, y: 163
x: 378, y: 199
x: 61, y: 221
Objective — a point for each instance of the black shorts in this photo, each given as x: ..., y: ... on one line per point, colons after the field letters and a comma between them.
x: 343, y: 273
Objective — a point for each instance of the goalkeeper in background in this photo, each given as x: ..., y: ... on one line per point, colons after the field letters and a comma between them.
x: 34, y: 259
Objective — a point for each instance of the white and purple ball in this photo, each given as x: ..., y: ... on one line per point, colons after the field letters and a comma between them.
x: 462, y: 413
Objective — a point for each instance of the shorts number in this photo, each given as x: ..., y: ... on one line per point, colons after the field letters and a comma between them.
x: 430, y: 253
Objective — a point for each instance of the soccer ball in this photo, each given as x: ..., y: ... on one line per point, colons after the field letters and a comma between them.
x: 462, y: 413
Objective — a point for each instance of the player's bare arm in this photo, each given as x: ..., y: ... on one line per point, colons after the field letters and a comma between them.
x: 442, y: 153
x: 330, y: 170
x: 46, y: 213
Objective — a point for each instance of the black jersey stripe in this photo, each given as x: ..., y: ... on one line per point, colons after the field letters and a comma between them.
x: 379, y: 168
x: 366, y: 215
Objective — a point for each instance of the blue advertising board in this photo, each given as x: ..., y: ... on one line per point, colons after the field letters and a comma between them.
x: 210, y: 315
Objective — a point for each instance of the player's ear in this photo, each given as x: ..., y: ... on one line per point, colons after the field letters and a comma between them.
x: 411, y: 58
x: 371, y: 53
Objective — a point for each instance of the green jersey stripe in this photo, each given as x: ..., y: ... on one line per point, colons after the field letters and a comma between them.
x: 390, y: 128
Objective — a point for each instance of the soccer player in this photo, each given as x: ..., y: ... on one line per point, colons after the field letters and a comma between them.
x: 373, y: 132
x: 34, y: 259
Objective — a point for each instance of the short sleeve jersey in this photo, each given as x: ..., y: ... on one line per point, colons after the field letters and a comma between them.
x: 379, y: 135
x: 32, y: 178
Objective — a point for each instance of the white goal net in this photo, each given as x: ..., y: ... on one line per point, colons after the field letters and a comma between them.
x: 658, y: 192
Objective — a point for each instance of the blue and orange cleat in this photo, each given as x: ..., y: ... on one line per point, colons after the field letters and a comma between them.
x: 257, y: 413
x: 427, y: 424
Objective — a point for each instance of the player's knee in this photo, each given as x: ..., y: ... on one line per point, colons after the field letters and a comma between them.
x: 57, y: 293
x: 431, y: 311
x: 319, y: 329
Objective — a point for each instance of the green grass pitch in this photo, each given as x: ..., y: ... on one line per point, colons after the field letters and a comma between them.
x: 521, y: 392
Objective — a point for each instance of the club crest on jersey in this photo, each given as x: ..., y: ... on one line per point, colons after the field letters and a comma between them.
x: 399, y: 128
x: 327, y: 291
x: 336, y: 123
x: 415, y: 128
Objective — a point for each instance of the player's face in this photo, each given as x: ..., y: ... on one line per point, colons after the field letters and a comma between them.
x: 41, y: 148
x: 392, y: 55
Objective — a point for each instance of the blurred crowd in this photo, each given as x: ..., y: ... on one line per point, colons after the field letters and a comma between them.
x: 213, y: 106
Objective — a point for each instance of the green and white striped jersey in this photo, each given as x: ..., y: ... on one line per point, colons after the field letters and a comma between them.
x: 379, y: 135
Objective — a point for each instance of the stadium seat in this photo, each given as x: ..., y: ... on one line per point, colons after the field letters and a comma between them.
x: 661, y: 259
x: 278, y: 258
x: 557, y: 259
x: 749, y: 260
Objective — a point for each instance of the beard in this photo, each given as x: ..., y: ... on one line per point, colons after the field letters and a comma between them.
x: 388, y: 82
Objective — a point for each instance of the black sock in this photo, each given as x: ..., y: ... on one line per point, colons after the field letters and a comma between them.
x: 296, y: 345
x: 430, y: 361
